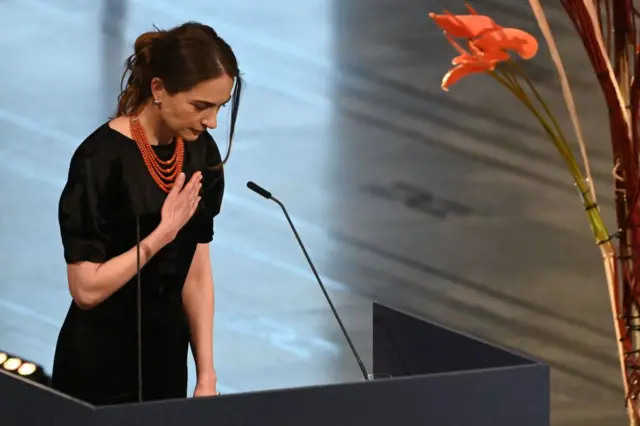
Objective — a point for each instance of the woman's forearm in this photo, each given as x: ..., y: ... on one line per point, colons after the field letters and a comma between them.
x: 198, y: 301
x: 199, y: 310
x: 91, y: 283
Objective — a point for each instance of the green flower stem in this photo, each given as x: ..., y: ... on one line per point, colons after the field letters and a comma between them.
x: 598, y: 227
x: 518, y: 70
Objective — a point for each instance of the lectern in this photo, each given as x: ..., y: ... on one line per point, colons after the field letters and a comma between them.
x: 439, y: 377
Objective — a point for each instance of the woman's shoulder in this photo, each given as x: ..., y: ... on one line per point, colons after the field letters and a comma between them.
x: 97, y: 153
x: 104, y: 140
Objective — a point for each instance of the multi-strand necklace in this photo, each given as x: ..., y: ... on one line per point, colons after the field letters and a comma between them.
x: 163, y: 172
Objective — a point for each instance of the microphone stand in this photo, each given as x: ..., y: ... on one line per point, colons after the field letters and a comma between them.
x: 139, y: 291
x: 266, y: 194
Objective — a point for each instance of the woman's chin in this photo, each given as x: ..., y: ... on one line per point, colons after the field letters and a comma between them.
x: 190, y: 135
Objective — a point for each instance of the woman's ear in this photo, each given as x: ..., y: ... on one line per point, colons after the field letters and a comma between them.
x: 158, y: 90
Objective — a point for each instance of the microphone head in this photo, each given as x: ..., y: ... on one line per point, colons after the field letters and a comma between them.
x: 259, y: 190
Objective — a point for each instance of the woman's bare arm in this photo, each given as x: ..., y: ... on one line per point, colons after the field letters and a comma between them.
x: 198, y: 301
x: 91, y: 283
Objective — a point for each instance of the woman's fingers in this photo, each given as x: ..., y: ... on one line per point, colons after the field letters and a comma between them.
x: 194, y: 206
x: 177, y: 186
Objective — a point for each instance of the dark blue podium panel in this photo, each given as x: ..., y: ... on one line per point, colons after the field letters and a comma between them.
x: 24, y: 403
x: 407, y: 346
x: 440, y: 378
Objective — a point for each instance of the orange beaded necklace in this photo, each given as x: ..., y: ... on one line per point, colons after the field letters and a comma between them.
x: 163, y: 173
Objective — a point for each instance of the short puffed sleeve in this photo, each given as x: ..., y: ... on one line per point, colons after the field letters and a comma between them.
x: 82, y: 209
x: 212, y: 192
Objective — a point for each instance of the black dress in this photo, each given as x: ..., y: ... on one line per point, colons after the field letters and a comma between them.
x: 96, y: 358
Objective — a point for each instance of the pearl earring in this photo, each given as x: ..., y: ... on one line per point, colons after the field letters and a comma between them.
x: 156, y: 102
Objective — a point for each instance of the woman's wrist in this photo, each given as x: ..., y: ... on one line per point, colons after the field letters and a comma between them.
x: 160, y: 237
x: 207, y: 375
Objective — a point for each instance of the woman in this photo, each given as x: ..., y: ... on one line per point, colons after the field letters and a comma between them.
x: 155, y: 167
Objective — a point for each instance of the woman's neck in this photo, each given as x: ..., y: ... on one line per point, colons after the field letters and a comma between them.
x: 154, y: 127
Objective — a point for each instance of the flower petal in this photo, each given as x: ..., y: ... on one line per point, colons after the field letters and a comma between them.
x: 471, y: 9
x: 460, y: 71
x: 464, y: 26
x: 523, y: 43
x: 463, y: 59
x: 456, y: 45
x: 491, y: 58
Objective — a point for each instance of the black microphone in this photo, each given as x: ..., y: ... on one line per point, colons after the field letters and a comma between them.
x: 266, y: 194
x: 260, y: 191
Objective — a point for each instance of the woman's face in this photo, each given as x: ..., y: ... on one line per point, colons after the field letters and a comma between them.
x: 190, y: 113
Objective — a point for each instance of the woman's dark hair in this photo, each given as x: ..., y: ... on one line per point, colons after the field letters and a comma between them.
x: 181, y: 57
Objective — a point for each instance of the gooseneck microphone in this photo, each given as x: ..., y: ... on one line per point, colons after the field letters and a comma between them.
x: 266, y: 194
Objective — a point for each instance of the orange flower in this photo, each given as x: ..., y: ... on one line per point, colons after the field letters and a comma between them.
x: 521, y: 42
x: 464, y: 26
x: 466, y: 64
x: 488, y: 43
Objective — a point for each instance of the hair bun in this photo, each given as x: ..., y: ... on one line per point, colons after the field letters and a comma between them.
x: 142, y: 45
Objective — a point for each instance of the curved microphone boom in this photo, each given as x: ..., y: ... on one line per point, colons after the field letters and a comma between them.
x: 266, y: 194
